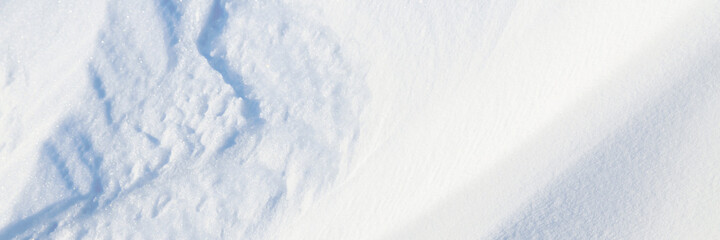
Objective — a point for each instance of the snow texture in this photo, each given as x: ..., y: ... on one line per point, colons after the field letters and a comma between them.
x: 324, y: 119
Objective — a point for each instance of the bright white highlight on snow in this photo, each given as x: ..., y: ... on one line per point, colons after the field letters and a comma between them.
x: 298, y: 119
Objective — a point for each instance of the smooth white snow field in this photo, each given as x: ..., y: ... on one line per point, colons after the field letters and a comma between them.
x: 330, y: 119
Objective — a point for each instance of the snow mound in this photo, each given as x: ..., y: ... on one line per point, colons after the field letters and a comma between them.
x: 212, y: 116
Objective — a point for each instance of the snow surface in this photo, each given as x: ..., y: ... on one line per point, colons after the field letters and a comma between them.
x: 325, y: 119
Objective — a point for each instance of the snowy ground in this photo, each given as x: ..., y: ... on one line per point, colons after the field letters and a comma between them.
x: 324, y: 119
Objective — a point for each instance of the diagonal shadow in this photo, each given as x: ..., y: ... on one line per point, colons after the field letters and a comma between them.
x: 85, y: 157
x: 609, y: 182
x: 506, y: 200
x: 206, y: 44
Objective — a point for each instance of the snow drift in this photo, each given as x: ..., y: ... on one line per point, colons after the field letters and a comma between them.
x: 287, y: 119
